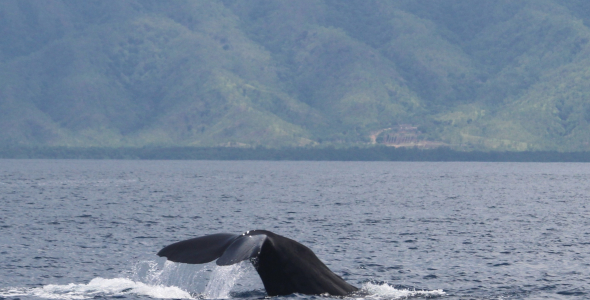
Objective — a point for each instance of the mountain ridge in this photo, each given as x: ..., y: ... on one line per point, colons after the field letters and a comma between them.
x: 486, y: 75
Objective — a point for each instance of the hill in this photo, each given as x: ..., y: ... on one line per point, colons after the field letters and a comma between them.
x: 472, y: 75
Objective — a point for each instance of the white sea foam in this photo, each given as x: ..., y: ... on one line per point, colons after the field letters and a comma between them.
x: 147, y: 278
x: 98, y: 286
x: 386, y: 291
x: 172, y: 281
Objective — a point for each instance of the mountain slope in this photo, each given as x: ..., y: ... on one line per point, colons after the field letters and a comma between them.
x: 488, y: 74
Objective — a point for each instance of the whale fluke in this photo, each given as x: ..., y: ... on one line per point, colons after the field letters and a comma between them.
x: 198, y: 250
x: 284, y: 265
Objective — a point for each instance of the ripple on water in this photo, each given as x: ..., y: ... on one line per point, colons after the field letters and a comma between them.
x: 473, y: 230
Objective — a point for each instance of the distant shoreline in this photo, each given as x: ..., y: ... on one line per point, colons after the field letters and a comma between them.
x: 377, y: 153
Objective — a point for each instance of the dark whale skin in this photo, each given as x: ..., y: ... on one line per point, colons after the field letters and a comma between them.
x: 284, y: 265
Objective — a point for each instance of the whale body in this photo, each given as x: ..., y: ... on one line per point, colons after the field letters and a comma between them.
x: 284, y: 265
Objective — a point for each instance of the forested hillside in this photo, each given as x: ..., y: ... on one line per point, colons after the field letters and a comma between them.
x: 472, y: 75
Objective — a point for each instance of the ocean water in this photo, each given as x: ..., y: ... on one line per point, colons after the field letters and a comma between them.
x: 83, y: 229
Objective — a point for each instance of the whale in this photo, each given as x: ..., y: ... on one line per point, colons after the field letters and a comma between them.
x: 284, y: 265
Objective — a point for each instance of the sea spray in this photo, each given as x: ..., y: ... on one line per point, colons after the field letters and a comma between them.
x: 185, y: 276
x: 219, y: 280
x: 99, y: 287
x: 223, y: 280
x: 386, y: 291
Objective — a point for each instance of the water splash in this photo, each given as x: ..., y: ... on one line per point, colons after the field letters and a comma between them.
x: 188, y: 277
x: 222, y: 281
x: 386, y: 291
x: 98, y: 287
x: 219, y: 280
x: 181, y: 281
x: 146, y: 278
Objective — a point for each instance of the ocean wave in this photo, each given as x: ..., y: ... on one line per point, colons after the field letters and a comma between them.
x: 386, y: 291
x: 219, y: 287
x: 99, y: 287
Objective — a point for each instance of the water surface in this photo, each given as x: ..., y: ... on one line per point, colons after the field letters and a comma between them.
x: 79, y: 229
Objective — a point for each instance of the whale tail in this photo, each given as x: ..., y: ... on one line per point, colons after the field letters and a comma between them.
x: 227, y: 248
x: 284, y: 265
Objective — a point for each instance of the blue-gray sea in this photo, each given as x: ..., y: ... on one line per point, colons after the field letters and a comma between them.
x: 90, y: 229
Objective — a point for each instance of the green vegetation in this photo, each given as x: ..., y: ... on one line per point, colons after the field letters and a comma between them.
x: 481, y: 75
